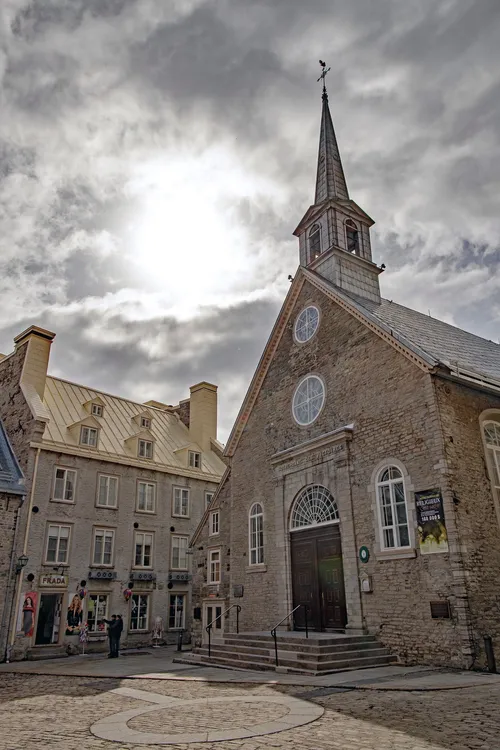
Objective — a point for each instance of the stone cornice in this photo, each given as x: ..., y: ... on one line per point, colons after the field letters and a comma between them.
x: 340, y: 435
x: 123, y: 461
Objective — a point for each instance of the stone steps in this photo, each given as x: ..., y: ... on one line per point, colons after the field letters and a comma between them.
x: 299, y: 655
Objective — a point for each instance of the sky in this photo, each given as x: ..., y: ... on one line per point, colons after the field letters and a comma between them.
x: 155, y: 158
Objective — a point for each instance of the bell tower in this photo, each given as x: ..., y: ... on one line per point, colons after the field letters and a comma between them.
x: 334, y: 234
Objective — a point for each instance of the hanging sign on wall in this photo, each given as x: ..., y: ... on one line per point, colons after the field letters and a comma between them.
x: 432, y: 535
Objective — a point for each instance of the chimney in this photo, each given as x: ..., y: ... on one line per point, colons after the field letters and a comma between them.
x: 36, y: 360
x: 203, y: 414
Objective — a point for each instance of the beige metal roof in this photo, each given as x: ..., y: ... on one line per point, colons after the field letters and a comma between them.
x: 65, y: 402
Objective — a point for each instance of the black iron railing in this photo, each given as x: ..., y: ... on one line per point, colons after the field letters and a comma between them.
x: 273, y: 631
x: 210, y: 624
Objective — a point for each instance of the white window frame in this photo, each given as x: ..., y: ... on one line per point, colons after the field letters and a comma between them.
x: 141, y: 564
x: 178, y: 538
x: 177, y: 502
x: 295, y: 394
x: 177, y: 610
x: 256, y: 546
x: 110, y: 479
x: 148, y: 446
x: 106, y: 533
x: 88, y: 431
x: 65, y: 489
x: 492, y: 453
x: 56, y: 525
x: 97, y: 410
x: 307, y: 325
x: 93, y: 627
x: 145, y: 423
x: 208, y: 498
x: 137, y: 505
x: 214, y: 523
x: 194, y: 459
x: 381, y: 552
x: 140, y: 596
x: 214, y: 560
x: 394, y: 527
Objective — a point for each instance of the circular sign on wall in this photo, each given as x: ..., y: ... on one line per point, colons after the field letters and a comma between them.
x: 364, y: 554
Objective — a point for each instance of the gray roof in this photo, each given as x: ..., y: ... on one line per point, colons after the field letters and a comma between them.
x: 11, y: 476
x: 457, y: 349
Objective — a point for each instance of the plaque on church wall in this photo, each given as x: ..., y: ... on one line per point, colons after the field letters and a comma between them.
x: 432, y: 535
x: 237, y: 590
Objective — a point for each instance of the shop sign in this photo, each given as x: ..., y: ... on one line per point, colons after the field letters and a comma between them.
x: 54, y: 580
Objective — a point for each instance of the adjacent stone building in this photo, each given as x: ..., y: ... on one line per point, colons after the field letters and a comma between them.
x: 364, y: 478
x: 115, y: 489
x: 12, y: 493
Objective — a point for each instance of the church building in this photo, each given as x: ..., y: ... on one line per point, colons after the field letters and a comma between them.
x: 362, y: 493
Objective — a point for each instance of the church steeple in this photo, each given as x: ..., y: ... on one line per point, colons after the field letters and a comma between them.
x: 334, y: 234
x: 330, y: 178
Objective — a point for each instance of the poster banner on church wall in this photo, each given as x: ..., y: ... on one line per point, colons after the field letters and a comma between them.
x: 431, y: 525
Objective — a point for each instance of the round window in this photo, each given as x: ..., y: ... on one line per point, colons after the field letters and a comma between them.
x: 306, y: 324
x: 308, y: 399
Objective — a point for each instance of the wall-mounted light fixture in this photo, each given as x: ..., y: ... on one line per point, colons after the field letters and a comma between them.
x: 22, y: 561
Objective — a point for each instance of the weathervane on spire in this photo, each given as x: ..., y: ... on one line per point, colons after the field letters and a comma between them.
x: 323, y: 75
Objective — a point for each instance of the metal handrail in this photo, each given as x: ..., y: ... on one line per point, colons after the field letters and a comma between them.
x: 273, y: 631
x: 209, y: 626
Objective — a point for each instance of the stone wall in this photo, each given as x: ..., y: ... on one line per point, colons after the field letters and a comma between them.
x: 389, y: 401
x: 83, y: 516
x: 9, y: 511
x: 476, y: 517
x: 203, y: 592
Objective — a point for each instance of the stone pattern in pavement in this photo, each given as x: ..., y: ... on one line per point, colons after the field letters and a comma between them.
x: 189, y: 719
x: 42, y: 713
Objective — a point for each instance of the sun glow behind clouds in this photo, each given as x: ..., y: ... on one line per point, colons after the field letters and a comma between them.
x: 188, y: 241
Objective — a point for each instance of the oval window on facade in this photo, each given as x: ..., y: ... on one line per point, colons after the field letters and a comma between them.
x: 308, y: 400
x: 306, y: 324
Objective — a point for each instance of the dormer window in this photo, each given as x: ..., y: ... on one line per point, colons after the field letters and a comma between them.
x: 88, y: 436
x: 352, y: 236
x: 314, y: 242
x: 145, y: 423
x: 97, y: 410
x: 145, y: 449
x: 194, y: 460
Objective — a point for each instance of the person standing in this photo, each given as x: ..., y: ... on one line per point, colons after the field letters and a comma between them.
x: 112, y: 625
x: 118, y: 634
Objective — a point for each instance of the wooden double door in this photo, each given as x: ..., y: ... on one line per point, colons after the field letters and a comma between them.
x: 318, y: 578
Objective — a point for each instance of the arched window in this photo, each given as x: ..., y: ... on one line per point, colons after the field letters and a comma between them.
x: 352, y: 236
x: 392, y: 509
x: 256, y: 534
x: 491, y: 432
x: 314, y: 242
x: 314, y: 506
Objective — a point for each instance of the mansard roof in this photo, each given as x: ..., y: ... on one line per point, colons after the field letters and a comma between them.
x: 11, y: 476
x: 431, y: 344
x: 64, y: 401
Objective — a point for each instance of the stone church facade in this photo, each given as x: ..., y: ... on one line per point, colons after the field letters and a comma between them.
x: 364, y: 465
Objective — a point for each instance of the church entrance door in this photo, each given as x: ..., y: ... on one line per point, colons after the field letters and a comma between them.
x: 317, y: 578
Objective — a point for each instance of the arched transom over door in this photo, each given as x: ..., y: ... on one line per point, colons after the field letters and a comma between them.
x: 316, y: 555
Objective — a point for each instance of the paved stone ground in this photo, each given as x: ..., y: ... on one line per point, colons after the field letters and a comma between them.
x: 41, y: 712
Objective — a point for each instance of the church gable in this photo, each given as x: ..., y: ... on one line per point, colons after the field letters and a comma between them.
x: 354, y: 366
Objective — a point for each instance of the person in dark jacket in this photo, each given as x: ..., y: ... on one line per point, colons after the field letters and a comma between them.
x: 112, y: 632
x: 118, y: 634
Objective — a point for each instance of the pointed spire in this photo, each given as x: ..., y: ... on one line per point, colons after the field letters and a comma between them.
x: 330, y: 179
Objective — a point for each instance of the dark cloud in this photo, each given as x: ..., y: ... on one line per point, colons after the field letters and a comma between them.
x: 94, y: 92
